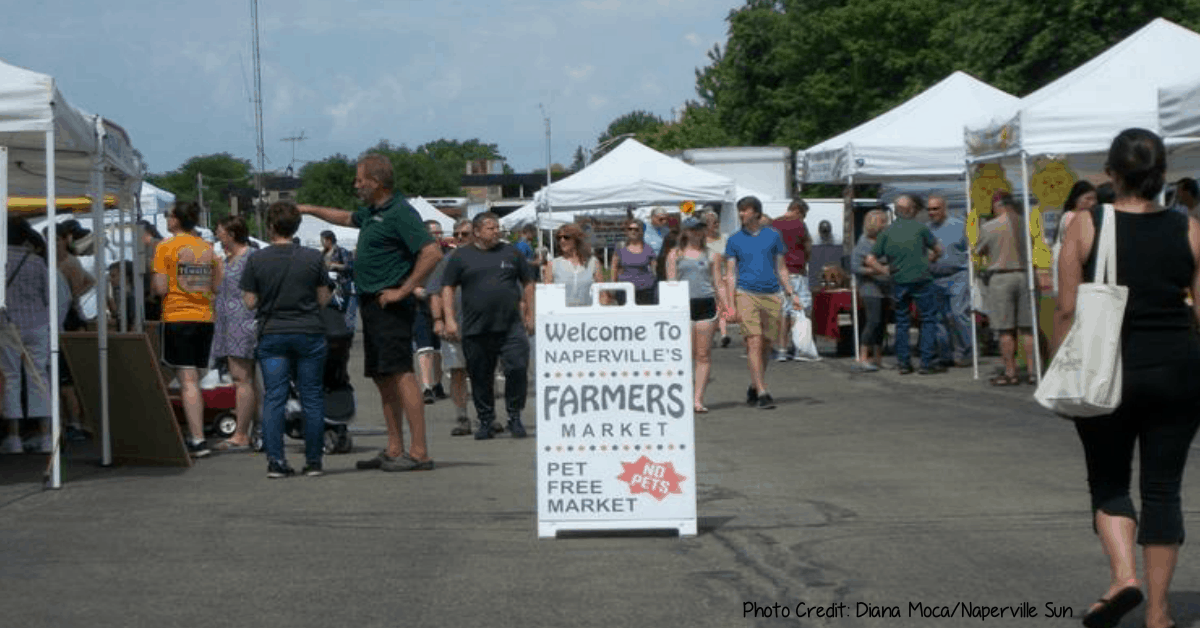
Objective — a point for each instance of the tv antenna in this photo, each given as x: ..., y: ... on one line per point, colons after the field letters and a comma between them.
x: 294, y: 139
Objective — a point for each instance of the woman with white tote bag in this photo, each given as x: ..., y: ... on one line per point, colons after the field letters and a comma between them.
x: 1158, y: 260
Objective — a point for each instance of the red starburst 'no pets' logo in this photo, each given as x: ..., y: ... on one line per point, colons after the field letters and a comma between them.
x: 647, y: 476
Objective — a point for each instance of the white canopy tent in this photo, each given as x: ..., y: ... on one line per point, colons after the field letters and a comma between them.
x: 154, y: 200
x: 633, y: 174
x: 1077, y: 116
x: 919, y: 140
x: 429, y: 212
x: 48, y: 148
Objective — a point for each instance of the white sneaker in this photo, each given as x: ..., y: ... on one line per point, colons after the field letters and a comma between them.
x: 12, y: 445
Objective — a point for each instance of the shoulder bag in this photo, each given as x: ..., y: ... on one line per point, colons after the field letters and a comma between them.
x: 1084, y: 380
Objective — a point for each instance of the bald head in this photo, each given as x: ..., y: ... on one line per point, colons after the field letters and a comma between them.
x: 907, y: 206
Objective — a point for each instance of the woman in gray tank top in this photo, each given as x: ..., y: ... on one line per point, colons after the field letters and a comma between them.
x: 575, y: 267
x: 692, y: 262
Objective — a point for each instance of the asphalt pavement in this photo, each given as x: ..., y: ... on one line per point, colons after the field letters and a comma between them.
x: 861, y: 500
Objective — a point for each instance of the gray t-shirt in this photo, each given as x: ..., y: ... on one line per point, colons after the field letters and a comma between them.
x: 697, y: 272
x: 286, y: 278
x: 492, y: 282
x: 868, y: 285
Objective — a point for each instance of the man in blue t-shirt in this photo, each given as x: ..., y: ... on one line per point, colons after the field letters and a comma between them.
x: 756, y: 272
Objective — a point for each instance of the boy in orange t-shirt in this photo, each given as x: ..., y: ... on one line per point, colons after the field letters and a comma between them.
x: 186, y: 273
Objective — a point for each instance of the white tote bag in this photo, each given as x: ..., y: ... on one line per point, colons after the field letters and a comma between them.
x: 1084, y: 380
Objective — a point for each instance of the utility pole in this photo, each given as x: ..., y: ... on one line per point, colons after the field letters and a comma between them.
x: 546, y: 117
x: 200, y: 196
x: 258, y: 122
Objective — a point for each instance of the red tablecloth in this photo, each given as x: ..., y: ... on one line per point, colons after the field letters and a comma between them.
x: 827, y: 304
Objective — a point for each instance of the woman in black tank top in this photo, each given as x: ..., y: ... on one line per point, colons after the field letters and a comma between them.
x: 1157, y: 259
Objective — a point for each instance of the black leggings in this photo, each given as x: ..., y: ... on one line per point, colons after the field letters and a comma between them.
x: 1159, y: 412
x: 872, y: 330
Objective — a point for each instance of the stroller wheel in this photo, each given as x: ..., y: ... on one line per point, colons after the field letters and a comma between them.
x: 345, y: 444
x: 331, y: 441
x: 225, y: 424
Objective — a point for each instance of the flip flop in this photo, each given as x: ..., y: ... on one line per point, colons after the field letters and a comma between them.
x: 229, y: 447
x: 1110, y: 611
x: 700, y: 409
x: 1005, y: 380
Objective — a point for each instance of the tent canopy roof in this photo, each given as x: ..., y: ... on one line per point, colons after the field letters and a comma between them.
x: 921, y: 138
x: 633, y: 174
x: 1083, y: 110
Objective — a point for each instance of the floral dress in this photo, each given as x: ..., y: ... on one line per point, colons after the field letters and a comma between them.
x: 234, y: 331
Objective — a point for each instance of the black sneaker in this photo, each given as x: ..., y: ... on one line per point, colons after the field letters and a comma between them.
x: 933, y: 370
x: 516, y: 428
x: 313, y: 470
x: 277, y: 469
x: 440, y: 392
x: 751, y: 395
x: 198, y: 449
x: 725, y: 340
x: 765, y: 402
x: 429, y: 396
x: 906, y: 369
x: 484, y: 432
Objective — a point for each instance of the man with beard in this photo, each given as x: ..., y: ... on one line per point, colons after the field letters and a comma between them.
x: 395, y: 255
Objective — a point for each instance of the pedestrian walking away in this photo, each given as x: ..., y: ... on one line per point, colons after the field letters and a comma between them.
x: 1158, y: 260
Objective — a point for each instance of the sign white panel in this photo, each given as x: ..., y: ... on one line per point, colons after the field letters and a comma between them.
x: 615, y: 427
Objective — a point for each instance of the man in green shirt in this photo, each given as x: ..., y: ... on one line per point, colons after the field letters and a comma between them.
x: 395, y: 255
x: 909, y: 247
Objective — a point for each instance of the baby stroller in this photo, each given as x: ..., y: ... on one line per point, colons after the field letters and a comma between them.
x: 339, y: 393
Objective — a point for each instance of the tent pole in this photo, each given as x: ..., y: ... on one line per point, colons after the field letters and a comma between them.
x: 139, y: 271
x: 971, y: 280
x: 122, y: 281
x: 101, y: 274
x: 4, y: 223
x: 853, y: 276
x: 1036, y: 367
x: 52, y: 263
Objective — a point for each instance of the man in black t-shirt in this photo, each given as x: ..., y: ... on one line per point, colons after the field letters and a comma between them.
x: 497, y: 298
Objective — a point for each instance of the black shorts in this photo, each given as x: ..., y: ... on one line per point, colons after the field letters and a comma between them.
x: 387, y: 336
x: 704, y: 309
x: 186, y: 344
x: 423, y: 329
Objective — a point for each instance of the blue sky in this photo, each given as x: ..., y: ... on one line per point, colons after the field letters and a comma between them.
x: 179, y: 76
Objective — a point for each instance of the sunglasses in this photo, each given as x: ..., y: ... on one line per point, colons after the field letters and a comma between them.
x: 633, y: 229
x: 564, y: 237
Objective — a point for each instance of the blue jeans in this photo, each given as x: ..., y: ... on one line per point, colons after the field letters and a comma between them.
x: 279, y: 355
x: 925, y: 296
x: 954, y: 340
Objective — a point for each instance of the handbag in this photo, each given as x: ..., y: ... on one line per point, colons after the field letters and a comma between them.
x: 1084, y: 379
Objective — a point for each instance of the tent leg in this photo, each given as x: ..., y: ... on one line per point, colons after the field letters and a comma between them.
x: 853, y: 279
x: 971, y: 284
x: 55, y: 480
x: 1036, y: 367
x: 4, y: 223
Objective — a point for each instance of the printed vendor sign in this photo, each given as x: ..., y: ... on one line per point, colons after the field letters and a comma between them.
x: 615, y: 429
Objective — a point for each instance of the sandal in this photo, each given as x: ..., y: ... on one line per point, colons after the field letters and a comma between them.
x: 1005, y: 380
x: 1109, y: 612
x: 700, y: 409
x: 230, y: 447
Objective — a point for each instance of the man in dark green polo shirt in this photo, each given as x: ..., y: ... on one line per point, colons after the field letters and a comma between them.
x: 395, y: 254
x: 909, y: 247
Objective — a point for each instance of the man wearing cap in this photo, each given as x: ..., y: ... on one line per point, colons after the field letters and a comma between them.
x: 656, y: 229
x: 340, y: 262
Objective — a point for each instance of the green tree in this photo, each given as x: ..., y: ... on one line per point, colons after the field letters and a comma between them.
x: 640, y: 124
x: 699, y: 127
x: 579, y: 160
x: 221, y: 171
x: 329, y: 183
x: 435, y: 168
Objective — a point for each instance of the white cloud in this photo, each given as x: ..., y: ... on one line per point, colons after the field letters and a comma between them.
x: 596, y: 102
x: 693, y: 39
x: 580, y: 73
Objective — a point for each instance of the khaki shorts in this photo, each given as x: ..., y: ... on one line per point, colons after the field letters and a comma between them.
x: 1008, y: 302
x: 759, y: 313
